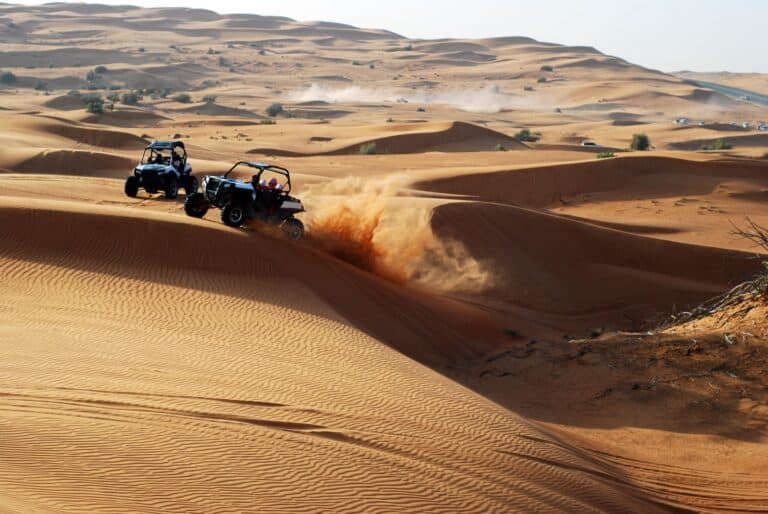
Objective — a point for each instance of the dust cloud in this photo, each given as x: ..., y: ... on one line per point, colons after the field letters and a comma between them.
x: 367, y: 223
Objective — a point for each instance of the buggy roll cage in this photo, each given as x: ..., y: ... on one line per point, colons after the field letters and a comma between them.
x: 159, y: 146
x: 262, y: 168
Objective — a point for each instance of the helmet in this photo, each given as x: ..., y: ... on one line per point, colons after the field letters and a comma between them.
x: 272, y: 183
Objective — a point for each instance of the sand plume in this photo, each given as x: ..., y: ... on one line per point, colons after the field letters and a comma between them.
x: 368, y: 224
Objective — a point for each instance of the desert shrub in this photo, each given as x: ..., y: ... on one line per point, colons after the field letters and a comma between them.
x: 765, y: 156
x: 91, y: 76
x: 720, y: 144
x: 94, y: 104
x: 222, y: 61
x: 209, y: 99
x: 501, y: 148
x: 11, y: 25
x: 367, y: 149
x: 547, y: 68
x: 41, y: 85
x: 528, y: 88
x: 371, y: 66
x: 165, y: 92
x: 7, y: 77
x: 130, y: 98
x: 268, y: 121
x: 640, y: 142
x: 73, y: 92
x: 275, y: 109
x: 356, y: 63
x: 211, y: 51
x: 526, y: 135
x: 114, y: 87
x: 605, y: 155
x: 542, y: 80
x: 262, y: 52
x: 101, y: 70
x: 183, y: 98
x: 111, y: 106
x: 408, y: 48
x: 113, y: 97
x: 390, y: 120
x: 141, y: 49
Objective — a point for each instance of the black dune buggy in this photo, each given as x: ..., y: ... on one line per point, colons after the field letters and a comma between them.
x: 163, y: 167
x: 266, y: 201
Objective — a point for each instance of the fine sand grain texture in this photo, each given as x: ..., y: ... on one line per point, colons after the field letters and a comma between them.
x: 482, y: 317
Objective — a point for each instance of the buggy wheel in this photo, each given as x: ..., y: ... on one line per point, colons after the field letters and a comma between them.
x: 131, y: 186
x: 233, y: 214
x: 190, y: 185
x: 195, y: 205
x: 293, y: 228
x: 172, y: 189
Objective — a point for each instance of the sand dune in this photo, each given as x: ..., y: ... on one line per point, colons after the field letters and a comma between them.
x: 457, y: 137
x: 260, y: 415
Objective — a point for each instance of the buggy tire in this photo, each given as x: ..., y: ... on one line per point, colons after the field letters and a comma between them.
x: 293, y: 229
x: 131, y: 186
x: 172, y: 189
x: 190, y: 185
x: 195, y: 205
x: 233, y: 214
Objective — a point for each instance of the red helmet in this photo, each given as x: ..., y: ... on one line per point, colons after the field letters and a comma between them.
x: 272, y: 183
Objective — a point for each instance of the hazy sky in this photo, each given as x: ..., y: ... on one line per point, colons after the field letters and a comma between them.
x: 670, y: 35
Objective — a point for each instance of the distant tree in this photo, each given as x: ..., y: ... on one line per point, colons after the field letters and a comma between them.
x: 526, y: 135
x: 640, y: 142
x: 720, y: 144
x: 129, y: 98
x: 183, y: 98
x: 101, y: 70
x: 41, y: 85
x: 7, y: 78
x: 113, y: 97
x: 141, y: 49
x: 209, y: 99
x: 275, y: 109
x: 542, y: 80
x: 94, y: 104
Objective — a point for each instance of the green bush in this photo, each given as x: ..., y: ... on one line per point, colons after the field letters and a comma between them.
x: 41, y: 85
x: 640, y: 142
x: 6, y: 77
x: 94, y: 104
x: 73, y: 92
x: 720, y: 144
x: 223, y: 62
x: 528, y: 88
x: 525, y: 135
x: 501, y: 148
x: 275, y: 109
x: 605, y: 155
x: 129, y: 98
x: 542, y: 80
x: 209, y: 99
x: 268, y: 121
x: 183, y: 98
x: 101, y: 70
x: 547, y: 68
x: 367, y: 149
x: 113, y: 97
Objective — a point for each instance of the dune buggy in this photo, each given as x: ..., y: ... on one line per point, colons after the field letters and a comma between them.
x: 163, y: 167
x: 266, y: 198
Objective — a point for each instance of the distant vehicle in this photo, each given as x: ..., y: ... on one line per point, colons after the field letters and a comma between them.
x: 402, y: 100
x: 701, y: 124
x: 745, y: 98
x: 763, y: 126
x: 163, y: 167
x: 682, y: 121
x: 589, y: 143
x: 746, y: 125
x: 269, y: 202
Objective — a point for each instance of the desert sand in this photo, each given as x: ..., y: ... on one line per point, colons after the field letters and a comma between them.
x: 474, y: 323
